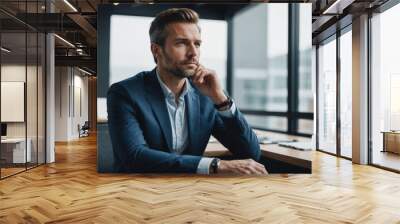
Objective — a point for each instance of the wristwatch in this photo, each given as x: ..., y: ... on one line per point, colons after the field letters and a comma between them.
x: 214, y: 165
x: 228, y: 102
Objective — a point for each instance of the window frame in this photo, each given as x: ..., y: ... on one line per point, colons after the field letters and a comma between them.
x: 333, y: 37
x: 292, y: 114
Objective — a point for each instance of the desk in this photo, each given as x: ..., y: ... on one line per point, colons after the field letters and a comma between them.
x: 13, y: 150
x: 105, y: 155
x: 270, y: 151
x: 391, y: 141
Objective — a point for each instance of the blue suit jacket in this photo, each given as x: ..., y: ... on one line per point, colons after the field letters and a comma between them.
x: 141, y: 133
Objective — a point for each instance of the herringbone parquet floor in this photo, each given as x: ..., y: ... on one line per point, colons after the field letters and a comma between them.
x: 71, y: 191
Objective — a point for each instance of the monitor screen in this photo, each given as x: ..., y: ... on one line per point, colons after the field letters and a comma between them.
x: 3, y: 129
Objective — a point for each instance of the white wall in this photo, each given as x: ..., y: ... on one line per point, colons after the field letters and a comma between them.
x: 71, y: 94
x: 17, y: 73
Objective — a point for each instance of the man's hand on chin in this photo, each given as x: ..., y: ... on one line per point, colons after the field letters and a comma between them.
x: 206, y: 80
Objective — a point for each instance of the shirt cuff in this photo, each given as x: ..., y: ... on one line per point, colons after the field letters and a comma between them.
x: 230, y: 112
x: 204, y: 165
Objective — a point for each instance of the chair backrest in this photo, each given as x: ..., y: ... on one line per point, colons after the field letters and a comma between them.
x: 86, y: 125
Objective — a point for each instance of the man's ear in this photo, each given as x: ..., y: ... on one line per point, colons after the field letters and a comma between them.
x: 155, y: 49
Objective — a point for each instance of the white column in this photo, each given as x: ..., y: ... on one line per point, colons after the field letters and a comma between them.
x: 63, y: 103
x: 50, y: 99
x: 360, y: 90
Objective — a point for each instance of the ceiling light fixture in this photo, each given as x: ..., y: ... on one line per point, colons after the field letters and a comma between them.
x: 337, y: 7
x: 331, y: 7
x: 5, y: 50
x: 64, y: 40
x: 84, y: 71
x: 70, y: 5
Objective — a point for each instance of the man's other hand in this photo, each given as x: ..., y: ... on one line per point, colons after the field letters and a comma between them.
x: 245, y: 166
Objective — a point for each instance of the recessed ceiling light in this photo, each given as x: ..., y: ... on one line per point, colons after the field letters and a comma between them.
x: 5, y: 50
x: 64, y: 40
x: 70, y: 5
x: 84, y: 71
x: 337, y: 7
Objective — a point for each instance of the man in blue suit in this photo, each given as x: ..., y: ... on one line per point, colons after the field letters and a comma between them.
x: 161, y: 120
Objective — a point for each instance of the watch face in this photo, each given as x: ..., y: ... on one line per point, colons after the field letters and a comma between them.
x: 214, y: 165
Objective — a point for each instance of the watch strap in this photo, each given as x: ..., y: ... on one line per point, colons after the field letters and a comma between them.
x: 214, y: 165
x: 227, y: 102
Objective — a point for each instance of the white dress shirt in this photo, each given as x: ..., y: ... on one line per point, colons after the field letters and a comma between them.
x: 179, y: 123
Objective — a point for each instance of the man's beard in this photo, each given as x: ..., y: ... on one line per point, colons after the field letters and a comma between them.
x: 175, y: 70
x: 180, y: 73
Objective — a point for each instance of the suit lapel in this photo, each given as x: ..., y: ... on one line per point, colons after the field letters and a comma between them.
x: 156, y: 99
x: 193, y: 113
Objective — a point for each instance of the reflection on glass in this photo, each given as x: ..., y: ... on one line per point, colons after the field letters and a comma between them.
x: 385, y: 86
x: 267, y: 122
x: 346, y: 94
x: 327, y: 97
x: 130, y: 53
x: 260, y: 57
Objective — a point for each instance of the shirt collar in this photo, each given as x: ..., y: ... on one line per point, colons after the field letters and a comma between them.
x: 168, y: 93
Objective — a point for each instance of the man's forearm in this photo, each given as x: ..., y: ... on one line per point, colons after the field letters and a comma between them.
x: 219, y: 98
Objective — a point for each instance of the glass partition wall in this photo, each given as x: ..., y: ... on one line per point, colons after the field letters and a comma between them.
x: 22, y: 87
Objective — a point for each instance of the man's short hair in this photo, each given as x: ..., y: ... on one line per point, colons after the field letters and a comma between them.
x: 157, y: 31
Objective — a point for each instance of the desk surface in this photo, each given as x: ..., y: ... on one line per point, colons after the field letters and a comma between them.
x: 272, y: 151
x: 13, y: 140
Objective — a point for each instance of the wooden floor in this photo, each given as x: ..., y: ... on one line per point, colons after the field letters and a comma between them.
x: 8, y: 171
x: 71, y: 191
x: 5, y: 172
x: 387, y: 159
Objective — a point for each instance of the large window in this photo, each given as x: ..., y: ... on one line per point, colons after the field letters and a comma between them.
x: 307, y: 56
x: 327, y: 96
x: 346, y: 93
x: 260, y: 61
x: 385, y: 87
x: 263, y: 66
x: 306, y: 99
